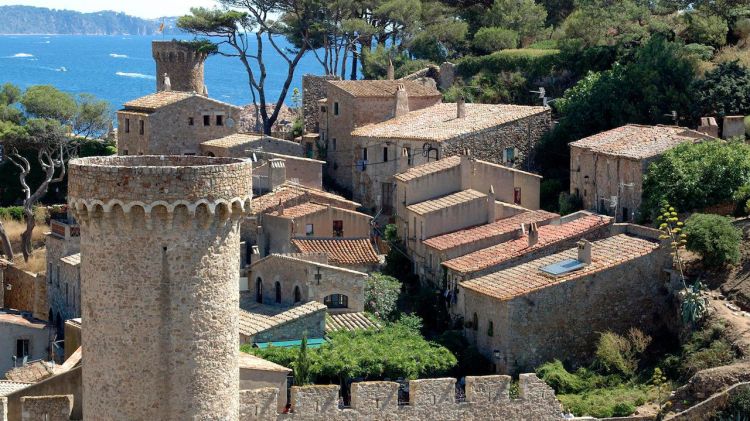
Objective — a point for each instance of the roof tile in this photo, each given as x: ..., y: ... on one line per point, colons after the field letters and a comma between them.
x: 384, y: 88
x: 340, y: 251
x: 638, y: 142
x: 435, y: 205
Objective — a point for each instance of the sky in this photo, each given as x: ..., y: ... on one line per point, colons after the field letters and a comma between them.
x: 140, y: 8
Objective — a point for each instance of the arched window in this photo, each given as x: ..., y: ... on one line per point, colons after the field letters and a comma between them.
x: 475, y: 322
x: 336, y: 301
x: 259, y: 290
x: 211, y: 154
x: 277, y: 287
x: 297, y: 294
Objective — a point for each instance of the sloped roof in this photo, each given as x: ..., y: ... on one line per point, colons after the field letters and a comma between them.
x: 340, y: 251
x: 298, y: 211
x: 73, y: 259
x: 313, y: 263
x: 440, y: 122
x: 32, y: 372
x: 429, y: 168
x: 522, y: 279
x: 548, y: 235
x: 8, y: 386
x: 349, y: 321
x: 252, y: 362
x: 384, y: 88
x: 255, y: 318
x: 435, y: 205
x: 295, y: 193
x: 235, y: 139
x: 153, y: 102
x: 638, y: 142
x: 498, y: 228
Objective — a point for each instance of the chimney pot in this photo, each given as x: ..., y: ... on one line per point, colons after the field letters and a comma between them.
x: 402, y: 101
x: 461, y: 107
x: 533, y: 234
x: 584, y: 252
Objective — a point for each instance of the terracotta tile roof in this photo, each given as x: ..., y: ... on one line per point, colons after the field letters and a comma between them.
x: 525, y: 278
x: 32, y: 372
x: 305, y: 261
x: 429, y: 168
x: 290, y: 193
x: 439, y: 122
x: 7, y: 386
x: 498, y: 228
x: 435, y: 205
x: 349, y: 321
x: 255, y: 318
x: 383, y: 88
x: 346, y: 251
x: 16, y: 318
x: 300, y: 210
x: 638, y: 142
x: 232, y: 140
x: 252, y: 362
x: 548, y: 235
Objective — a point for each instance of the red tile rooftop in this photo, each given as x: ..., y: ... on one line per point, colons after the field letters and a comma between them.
x: 340, y: 251
x: 429, y: 168
x: 439, y: 122
x: 481, y: 232
x: 300, y: 210
x: 548, y: 235
x: 435, y: 205
x: 295, y: 193
x: 160, y: 99
x: 384, y: 88
x: 638, y: 142
x: 522, y: 279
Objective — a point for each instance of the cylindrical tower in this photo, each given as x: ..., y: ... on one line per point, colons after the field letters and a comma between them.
x: 160, y: 250
x: 182, y: 63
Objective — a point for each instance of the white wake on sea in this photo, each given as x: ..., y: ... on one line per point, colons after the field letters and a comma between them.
x: 21, y: 55
x: 135, y: 75
x: 113, y: 55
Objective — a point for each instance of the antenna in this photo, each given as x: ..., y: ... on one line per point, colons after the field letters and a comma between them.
x: 674, y: 116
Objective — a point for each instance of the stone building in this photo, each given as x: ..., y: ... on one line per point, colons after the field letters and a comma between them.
x: 243, y: 144
x: 23, y: 339
x: 160, y: 243
x: 172, y: 123
x: 555, y: 306
x: 63, y: 247
x: 310, y: 220
x: 181, y: 63
x: 606, y: 169
x: 288, y: 280
x: 257, y: 373
x: 314, y: 89
x: 352, y: 253
x: 453, y: 194
x: 350, y: 104
x: 497, y: 133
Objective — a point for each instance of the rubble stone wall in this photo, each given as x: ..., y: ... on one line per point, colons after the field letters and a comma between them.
x: 47, y: 408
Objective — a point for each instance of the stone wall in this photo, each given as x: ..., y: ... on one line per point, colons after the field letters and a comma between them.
x: 431, y: 399
x: 182, y: 63
x: 46, y: 408
x: 67, y: 383
x: 313, y: 90
x: 63, y: 276
x: 160, y: 237
x: 708, y: 408
x: 28, y: 291
x: 489, y: 145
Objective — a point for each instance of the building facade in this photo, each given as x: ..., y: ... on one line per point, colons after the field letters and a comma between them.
x: 22, y: 339
x: 63, y: 246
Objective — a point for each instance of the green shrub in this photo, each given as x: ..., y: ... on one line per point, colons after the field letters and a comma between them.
x: 623, y: 409
x: 718, y: 353
x: 605, y: 403
x: 560, y: 379
x: 533, y: 63
x: 740, y: 197
x: 569, y: 203
x: 381, y: 295
x: 714, y: 237
x: 491, y: 39
x: 617, y: 354
x: 12, y: 213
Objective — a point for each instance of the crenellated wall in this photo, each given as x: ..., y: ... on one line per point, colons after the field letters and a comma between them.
x: 487, y: 398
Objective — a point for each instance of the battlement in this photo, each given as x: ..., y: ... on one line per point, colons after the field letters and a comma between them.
x: 487, y: 397
x: 159, y: 187
x: 176, y: 51
x: 182, y: 62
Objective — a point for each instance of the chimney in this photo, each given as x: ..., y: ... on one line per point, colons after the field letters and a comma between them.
x: 491, y: 205
x: 402, y: 101
x: 254, y: 254
x: 276, y: 173
x: 533, y: 234
x: 466, y: 169
x: 391, y: 72
x: 461, y: 107
x: 584, y: 252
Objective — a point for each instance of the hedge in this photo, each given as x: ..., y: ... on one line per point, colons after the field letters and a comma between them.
x: 531, y: 62
x: 12, y: 213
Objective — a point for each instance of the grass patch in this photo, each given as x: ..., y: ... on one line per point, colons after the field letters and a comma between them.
x: 619, y: 401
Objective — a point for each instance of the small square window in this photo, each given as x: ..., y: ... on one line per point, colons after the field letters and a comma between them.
x: 191, y: 121
x: 219, y: 120
x: 22, y: 348
x: 125, y: 152
x: 338, y: 228
x: 309, y: 231
x: 385, y: 154
x: 206, y: 120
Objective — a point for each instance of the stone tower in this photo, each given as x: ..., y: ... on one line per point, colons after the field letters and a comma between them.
x: 182, y: 63
x: 160, y: 247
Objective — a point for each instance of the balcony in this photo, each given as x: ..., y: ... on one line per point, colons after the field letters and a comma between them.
x: 64, y: 229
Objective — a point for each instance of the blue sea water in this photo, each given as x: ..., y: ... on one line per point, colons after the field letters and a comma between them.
x: 120, y: 68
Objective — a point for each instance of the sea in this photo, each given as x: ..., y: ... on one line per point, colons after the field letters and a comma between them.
x: 120, y: 68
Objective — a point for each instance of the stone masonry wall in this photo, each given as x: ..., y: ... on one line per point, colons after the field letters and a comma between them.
x: 488, y: 145
x: 429, y: 400
x: 313, y: 89
x: 28, y: 291
x: 181, y: 62
x: 46, y: 408
x: 160, y: 241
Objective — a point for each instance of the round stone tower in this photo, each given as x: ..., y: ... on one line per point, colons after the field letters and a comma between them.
x: 182, y: 63
x: 160, y: 248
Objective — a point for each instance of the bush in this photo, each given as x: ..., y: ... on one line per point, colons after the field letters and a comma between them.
x: 491, y: 39
x: 740, y: 197
x: 560, y: 379
x: 616, y: 354
x: 532, y: 62
x: 605, y: 403
x: 381, y: 295
x: 715, y: 238
x: 569, y: 203
x: 706, y: 348
x: 14, y: 213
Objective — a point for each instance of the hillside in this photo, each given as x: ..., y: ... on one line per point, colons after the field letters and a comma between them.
x: 36, y: 20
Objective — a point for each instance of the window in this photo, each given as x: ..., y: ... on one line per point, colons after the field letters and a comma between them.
x: 510, y: 155
x: 125, y: 152
x: 206, y: 120
x: 259, y: 290
x: 322, y: 108
x: 191, y: 121
x: 335, y: 108
x: 475, y: 322
x: 219, y: 120
x: 127, y: 125
x: 490, y: 329
x: 309, y: 231
x: 336, y: 301
x: 386, y: 199
x: 407, y: 153
x: 277, y: 287
x: 297, y: 294
x: 338, y: 228
x: 57, y: 276
x: 517, y: 195
x: 67, y: 295
x: 309, y: 149
x: 334, y: 143
x: 22, y: 348
x: 385, y: 154
x: 141, y: 126
x: 364, y: 154
x: 625, y: 215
